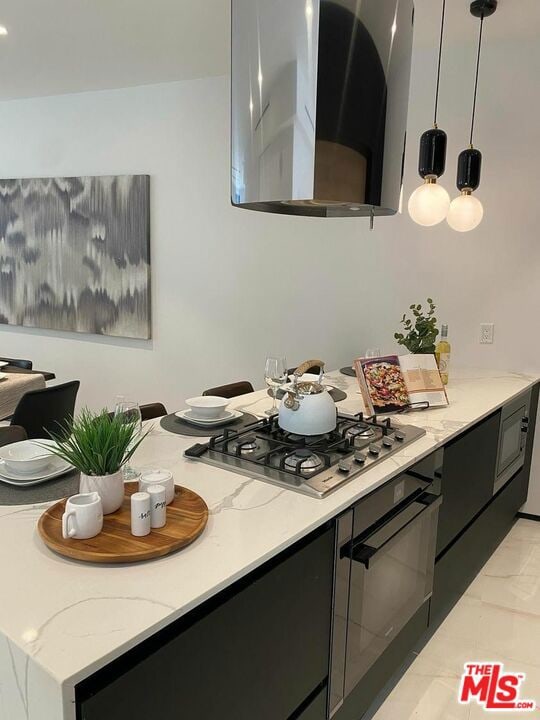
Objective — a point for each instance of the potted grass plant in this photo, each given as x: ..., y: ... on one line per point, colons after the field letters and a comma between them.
x: 99, y: 445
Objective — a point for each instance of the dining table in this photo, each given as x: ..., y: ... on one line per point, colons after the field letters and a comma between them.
x: 47, y: 374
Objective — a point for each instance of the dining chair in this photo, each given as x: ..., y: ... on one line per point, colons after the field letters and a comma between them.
x: 149, y: 411
x: 153, y: 410
x: 12, y: 434
x: 46, y: 410
x: 23, y: 364
x: 231, y: 390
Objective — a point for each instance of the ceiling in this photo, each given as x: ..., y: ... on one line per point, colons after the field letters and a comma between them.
x: 64, y: 46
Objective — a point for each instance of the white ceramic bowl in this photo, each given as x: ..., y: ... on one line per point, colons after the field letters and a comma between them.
x: 26, y: 456
x: 207, y: 407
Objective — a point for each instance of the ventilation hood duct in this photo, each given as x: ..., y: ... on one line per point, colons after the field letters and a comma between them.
x: 319, y: 105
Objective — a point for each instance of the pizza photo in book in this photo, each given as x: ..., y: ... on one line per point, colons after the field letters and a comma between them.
x: 391, y: 383
x: 382, y: 384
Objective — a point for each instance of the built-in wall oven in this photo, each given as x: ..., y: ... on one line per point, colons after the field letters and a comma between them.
x: 512, y: 439
x: 385, y: 557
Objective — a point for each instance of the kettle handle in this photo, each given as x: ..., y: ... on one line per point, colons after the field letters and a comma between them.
x: 305, y: 366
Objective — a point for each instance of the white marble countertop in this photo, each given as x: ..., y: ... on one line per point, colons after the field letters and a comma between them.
x: 61, y: 620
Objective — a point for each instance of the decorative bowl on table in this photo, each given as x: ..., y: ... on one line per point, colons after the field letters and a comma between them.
x: 207, y: 407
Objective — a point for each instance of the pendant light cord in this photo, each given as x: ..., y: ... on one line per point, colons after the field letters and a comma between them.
x: 476, y: 79
x: 439, y: 65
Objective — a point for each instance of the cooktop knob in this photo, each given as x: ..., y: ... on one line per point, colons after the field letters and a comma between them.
x: 399, y: 435
x: 374, y: 449
x: 344, y: 466
x: 387, y: 441
x: 360, y: 457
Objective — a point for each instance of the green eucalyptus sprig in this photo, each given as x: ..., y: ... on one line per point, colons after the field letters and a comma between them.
x: 97, y: 443
x: 421, y: 331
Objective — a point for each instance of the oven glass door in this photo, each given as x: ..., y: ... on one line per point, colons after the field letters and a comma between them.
x: 391, y: 578
x: 511, y: 443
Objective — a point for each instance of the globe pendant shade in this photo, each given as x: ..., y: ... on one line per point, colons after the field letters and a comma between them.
x: 465, y: 213
x: 428, y: 204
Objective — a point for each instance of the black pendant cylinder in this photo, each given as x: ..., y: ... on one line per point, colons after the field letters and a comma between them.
x: 483, y: 8
x: 432, y: 155
x: 468, y: 169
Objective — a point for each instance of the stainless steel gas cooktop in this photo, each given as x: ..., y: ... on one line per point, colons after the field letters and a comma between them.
x: 314, y: 465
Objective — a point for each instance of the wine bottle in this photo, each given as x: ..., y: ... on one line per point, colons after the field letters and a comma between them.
x: 442, y: 354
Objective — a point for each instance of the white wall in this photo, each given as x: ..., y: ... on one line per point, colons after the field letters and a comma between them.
x: 229, y: 286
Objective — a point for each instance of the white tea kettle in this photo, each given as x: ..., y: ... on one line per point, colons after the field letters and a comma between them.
x: 307, y: 407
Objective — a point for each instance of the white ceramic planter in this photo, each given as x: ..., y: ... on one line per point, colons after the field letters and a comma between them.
x: 110, y: 489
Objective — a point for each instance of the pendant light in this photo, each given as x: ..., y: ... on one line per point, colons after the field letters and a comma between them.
x: 429, y: 203
x: 466, y: 211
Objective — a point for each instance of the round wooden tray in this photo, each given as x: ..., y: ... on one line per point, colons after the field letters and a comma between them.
x: 187, y: 516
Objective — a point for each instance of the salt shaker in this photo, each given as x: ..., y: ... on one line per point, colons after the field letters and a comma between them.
x: 140, y: 514
x: 158, y: 505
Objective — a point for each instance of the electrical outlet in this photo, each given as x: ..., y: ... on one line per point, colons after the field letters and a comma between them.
x: 486, y: 333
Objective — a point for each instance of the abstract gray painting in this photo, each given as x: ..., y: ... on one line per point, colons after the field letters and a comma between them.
x: 75, y: 254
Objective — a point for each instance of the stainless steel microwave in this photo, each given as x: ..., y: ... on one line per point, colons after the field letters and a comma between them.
x: 512, y: 439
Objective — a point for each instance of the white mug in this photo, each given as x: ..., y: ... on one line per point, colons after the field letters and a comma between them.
x: 158, y: 477
x: 83, y: 518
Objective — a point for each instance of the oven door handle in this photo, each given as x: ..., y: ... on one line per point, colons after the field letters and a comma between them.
x: 366, y: 553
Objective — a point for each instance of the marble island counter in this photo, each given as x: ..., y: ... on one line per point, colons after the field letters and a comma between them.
x: 61, y: 620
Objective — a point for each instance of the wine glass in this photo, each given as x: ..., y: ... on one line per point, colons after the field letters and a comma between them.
x: 373, y: 353
x: 275, y: 375
x: 129, y: 412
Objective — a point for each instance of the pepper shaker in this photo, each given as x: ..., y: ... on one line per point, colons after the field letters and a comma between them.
x: 158, y: 505
x: 140, y: 514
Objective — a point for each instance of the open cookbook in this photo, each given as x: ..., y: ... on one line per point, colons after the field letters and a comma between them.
x: 392, y: 383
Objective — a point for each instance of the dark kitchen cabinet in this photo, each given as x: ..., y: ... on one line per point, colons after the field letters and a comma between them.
x: 467, y: 478
x: 459, y: 562
x: 315, y: 710
x: 458, y: 567
x: 533, y: 415
x: 259, y: 652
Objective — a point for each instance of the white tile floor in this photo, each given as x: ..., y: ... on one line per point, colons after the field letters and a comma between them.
x: 497, y: 619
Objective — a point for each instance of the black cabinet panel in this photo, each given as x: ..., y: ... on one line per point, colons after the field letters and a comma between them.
x: 259, y: 655
x: 458, y: 567
x: 533, y: 412
x: 316, y: 710
x: 467, y: 479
